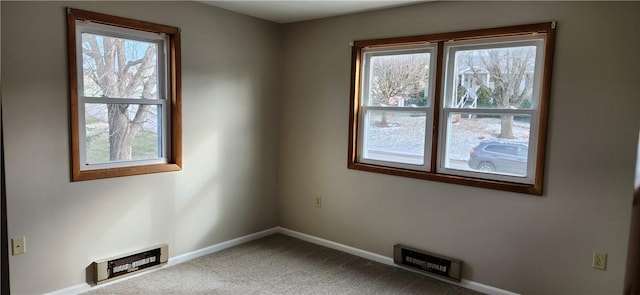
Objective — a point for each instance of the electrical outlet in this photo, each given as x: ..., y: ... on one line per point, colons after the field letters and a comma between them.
x: 18, y: 245
x: 318, y: 202
x: 599, y: 261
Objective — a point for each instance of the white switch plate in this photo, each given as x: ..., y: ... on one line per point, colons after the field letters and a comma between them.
x: 19, y: 245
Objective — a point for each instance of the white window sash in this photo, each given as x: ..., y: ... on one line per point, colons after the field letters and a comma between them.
x: 427, y: 138
x: 162, y: 42
x: 449, y: 90
x: 427, y: 110
x: 445, y: 131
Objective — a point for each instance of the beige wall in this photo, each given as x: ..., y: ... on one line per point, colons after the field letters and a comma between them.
x: 230, y: 73
x: 522, y: 243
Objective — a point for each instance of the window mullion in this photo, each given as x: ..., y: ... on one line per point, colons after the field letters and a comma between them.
x: 437, y: 104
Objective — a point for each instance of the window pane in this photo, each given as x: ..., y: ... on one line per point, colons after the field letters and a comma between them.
x: 488, y: 143
x: 501, y: 78
x: 394, y: 136
x: 121, y: 132
x: 117, y: 67
x: 399, y: 80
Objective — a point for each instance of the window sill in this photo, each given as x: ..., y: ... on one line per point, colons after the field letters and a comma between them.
x: 531, y: 189
x: 79, y: 175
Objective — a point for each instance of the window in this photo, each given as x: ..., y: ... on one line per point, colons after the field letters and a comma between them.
x: 396, y: 116
x: 466, y: 107
x: 124, y: 80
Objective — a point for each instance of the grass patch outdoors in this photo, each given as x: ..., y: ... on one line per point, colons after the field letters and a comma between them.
x: 145, y: 146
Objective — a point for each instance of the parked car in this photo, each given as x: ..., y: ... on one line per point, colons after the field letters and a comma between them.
x: 508, y: 157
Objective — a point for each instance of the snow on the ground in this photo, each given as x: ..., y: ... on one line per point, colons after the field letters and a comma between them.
x: 403, y: 133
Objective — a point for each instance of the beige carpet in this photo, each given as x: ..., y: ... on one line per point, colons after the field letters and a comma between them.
x: 279, y: 264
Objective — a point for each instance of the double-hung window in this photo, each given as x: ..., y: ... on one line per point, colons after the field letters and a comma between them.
x: 464, y: 107
x: 396, y: 117
x: 125, y: 96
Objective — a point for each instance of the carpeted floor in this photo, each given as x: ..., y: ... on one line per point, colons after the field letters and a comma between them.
x: 279, y: 264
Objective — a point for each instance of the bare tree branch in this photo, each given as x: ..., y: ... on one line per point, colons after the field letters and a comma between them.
x: 511, y: 75
x: 404, y: 75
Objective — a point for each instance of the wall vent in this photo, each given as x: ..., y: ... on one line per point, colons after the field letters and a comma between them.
x: 126, y: 264
x: 428, y: 263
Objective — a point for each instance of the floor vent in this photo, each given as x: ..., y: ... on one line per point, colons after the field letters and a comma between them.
x: 428, y: 263
x: 107, y: 269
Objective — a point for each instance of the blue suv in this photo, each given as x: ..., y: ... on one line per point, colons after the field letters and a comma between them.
x: 507, y: 157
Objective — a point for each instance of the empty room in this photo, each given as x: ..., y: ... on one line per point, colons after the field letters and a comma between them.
x: 320, y: 147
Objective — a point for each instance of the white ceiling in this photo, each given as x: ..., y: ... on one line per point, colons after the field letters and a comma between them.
x: 286, y: 11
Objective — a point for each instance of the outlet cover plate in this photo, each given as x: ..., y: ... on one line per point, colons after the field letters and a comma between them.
x: 18, y: 246
x: 599, y: 261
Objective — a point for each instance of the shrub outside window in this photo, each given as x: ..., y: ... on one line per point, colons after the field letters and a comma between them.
x: 125, y: 96
x: 464, y: 107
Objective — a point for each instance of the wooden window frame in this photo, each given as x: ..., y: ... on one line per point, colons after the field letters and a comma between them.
x: 173, y: 89
x: 546, y: 30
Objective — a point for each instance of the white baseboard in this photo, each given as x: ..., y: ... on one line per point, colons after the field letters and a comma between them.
x: 76, y: 289
x: 84, y: 287
x: 333, y: 245
x: 220, y: 246
x: 386, y: 260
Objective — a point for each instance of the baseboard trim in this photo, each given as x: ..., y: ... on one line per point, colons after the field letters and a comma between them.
x: 76, y: 289
x: 220, y: 246
x: 84, y: 287
x: 386, y: 260
x: 333, y: 245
